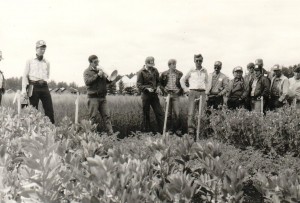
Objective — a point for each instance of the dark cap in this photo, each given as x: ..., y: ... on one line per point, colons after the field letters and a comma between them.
x: 257, y: 67
x: 150, y: 61
x: 250, y: 65
x: 259, y: 62
x: 218, y: 63
x: 92, y: 57
x: 40, y: 43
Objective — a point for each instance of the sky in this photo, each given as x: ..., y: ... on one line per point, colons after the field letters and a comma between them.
x: 122, y: 33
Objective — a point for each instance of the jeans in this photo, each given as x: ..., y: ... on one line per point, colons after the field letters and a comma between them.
x: 151, y: 99
x: 192, y: 108
x: 96, y: 106
x: 173, y: 112
x: 41, y: 92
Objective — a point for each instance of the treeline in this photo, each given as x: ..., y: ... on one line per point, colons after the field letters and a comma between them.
x: 15, y: 84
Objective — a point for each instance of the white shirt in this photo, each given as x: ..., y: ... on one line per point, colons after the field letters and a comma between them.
x: 294, y: 88
x: 1, y: 80
x: 35, y: 70
x: 198, y: 79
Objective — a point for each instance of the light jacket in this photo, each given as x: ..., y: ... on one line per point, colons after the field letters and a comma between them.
x: 220, y: 86
x: 284, y: 87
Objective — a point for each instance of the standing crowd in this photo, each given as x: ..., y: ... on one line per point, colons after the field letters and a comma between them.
x: 255, y: 91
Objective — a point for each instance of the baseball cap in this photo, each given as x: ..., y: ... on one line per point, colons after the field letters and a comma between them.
x: 150, y: 61
x: 259, y: 62
x: 238, y: 68
x: 257, y: 67
x: 276, y: 67
x: 218, y: 63
x: 250, y: 65
x: 41, y: 43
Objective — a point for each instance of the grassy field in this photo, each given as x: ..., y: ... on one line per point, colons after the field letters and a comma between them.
x: 126, y: 111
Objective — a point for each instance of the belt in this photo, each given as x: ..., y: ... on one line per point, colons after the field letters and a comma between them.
x: 198, y: 90
x: 39, y: 82
x: 96, y: 95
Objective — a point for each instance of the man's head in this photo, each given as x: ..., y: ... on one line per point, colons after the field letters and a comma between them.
x: 257, y: 70
x: 297, y: 72
x: 93, y: 60
x: 172, y: 64
x: 149, y: 62
x: 259, y: 62
x: 277, y: 70
x: 1, y: 56
x: 250, y: 67
x: 40, y: 47
x: 238, y: 72
x: 218, y: 66
x: 198, y: 59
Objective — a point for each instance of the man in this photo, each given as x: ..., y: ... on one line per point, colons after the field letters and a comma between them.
x: 259, y: 88
x: 197, y: 80
x: 248, y: 77
x: 35, y: 78
x: 237, y: 90
x: 217, y: 83
x: 279, y: 88
x: 294, y: 88
x: 96, y: 81
x: 2, y: 81
x: 170, y: 84
x: 147, y: 83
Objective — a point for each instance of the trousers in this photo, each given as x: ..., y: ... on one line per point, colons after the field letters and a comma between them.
x: 96, y: 106
x: 42, y: 93
x: 151, y: 99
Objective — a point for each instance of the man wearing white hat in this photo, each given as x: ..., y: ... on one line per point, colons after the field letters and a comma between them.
x: 2, y: 81
x: 35, y: 78
x: 279, y: 88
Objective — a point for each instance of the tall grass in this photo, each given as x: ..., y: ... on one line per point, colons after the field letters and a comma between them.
x: 126, y: 111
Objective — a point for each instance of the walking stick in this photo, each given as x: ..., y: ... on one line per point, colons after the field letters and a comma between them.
x: 166, y: 114
x: 76, y: 108
x: 199, y: 117
x: 18, y: 99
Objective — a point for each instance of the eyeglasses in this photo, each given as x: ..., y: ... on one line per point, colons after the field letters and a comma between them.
x: 198, y: 61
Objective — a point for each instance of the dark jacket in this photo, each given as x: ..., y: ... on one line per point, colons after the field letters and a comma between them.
x: 262, y: 87
x: 96, y: 86
x: 164, y: 78
x: 237, y: 89
x: 147, y: 79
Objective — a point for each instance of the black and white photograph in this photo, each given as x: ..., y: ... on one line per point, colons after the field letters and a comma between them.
x: 150, y: 101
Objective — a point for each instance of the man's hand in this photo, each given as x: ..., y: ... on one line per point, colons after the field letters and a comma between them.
x: 150, y: 89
